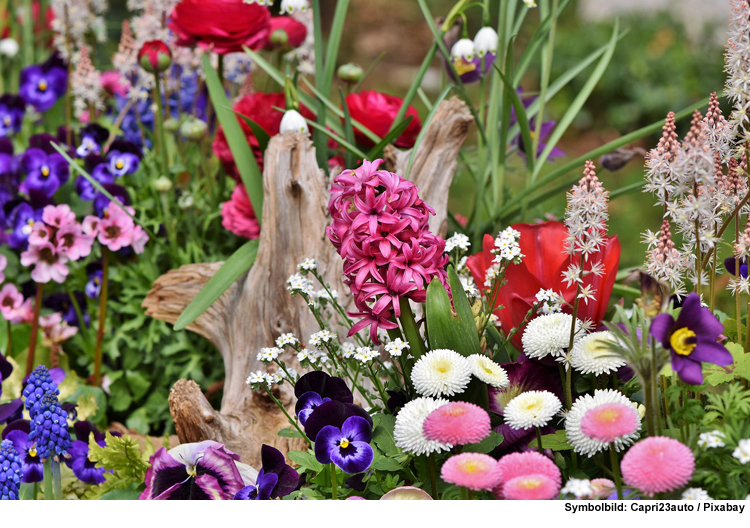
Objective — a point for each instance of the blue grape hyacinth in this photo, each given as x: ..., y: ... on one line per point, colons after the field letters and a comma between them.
x: 39, y: 383
x: 49, y: 429
x: 10, y: 471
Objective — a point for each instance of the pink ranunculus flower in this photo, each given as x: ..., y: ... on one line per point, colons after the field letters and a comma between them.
x: 72, y: 241
x: 237, y: 215
x: 40, y: 234
x: 49, y: 263
x: 58, y: 215
x: 10, y: 301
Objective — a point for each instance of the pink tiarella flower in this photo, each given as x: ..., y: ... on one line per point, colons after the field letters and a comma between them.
x: 40, y: 234
x: 72, y: 241
x: 49, y: 263
x: 3, y: 265
x: 10, y: 301
x: 58, y: 215
x: 380, y: 229
x: 90, y: 225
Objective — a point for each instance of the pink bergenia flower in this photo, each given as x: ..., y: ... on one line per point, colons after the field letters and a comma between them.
x: 73, y: 242
x: 56, y: 332
x: 58, y: 215
x: 23, y: 315
x: 40, y: 234
x: 49, y: 263
x: 380, y: 229
x: 48, y: 321
x: 10, y: 301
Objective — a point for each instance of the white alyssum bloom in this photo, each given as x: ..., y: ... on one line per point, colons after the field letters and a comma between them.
x: 365, y: 355
x: 551, y: 302
x: 488, y: 371
x: 303, y: 355
x: 298, y: 284
x: 320, y: 339
x: 323, y: 294
x: 396, y: 347
x: 712, y: 439
x: 548, y: 335
x: 580, y: 488
x: 441, y: 372
x: 309, y: 264
x: 8, y: 47
x: 286, y: 339
x: 459, y: 240
x: 268, y: 354
x: 491, y: 274
x: 469, y: 286
x: 348, y: 349
x: 256, y: 379
x: 293, y: 122
x: 591, y: 355
x: 695, y: 494
x: 485, y: 41
x: 463, y: 49
x: 507, y: 247
x: 290, y: 6
x: 274, y: 377
x: 584, y: 445
x: 742, y: 452
x: 267, y: 3
x: 408, y: 429
x: 531, y: 409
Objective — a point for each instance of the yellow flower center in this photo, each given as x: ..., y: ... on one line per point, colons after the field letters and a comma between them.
x: 192, y: 471
x: 32, y: 452
x: 529, y: 483
x: 344, y: 443
x: 42, y: 85
x: 45, y: 171
x: 683, y: 341
x: 463, y: 66
x: 6, y: 120
x: 119, y: 164
x: 488, y: 371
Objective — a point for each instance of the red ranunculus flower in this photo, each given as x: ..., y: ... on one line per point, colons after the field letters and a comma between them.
x: 377, y: 111
x: 223, y: 26
x: 295, y: 31
x: 258, y: 107
x: 543, y: 265
x: 155, y: 56
x: 238, y: 216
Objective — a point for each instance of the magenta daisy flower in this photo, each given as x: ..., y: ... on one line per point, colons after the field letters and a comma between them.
x: 610, y: 421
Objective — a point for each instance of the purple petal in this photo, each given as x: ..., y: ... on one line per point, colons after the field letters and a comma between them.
x: 16, y: 425
x: 332, y: 413
x: 689, y: 371
x: 287, y: 483
x: 5, y: 368
x: 218, y: 463
x: 326, y: 442
x: 57, y: 375
x: 323, y: 384
x: 355, y: 458
x: 246, y: 493
x: 7, y: 410
x: 211, y: 487
x: 266, y: 485
x: 661, y: 329
x: 708, y: 351
x: 358, y: 429
x: 164, y: 474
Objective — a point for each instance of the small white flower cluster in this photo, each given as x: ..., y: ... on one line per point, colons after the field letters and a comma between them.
x: 579, y: 488
x: 551, y: 302
x: 507, y: 248
x: 267, y: 355
x: 348, y: 349
x: 459, y: 240
x: 396, y: 347
x: 286, y: 339
x: 325, y: 296
x: 307, y: 357
x: 262, y: 380
x: 309, y: 264
x: 267, y: 3
x: 491, y: 274
x: 322, y: 338
x: 290, y: 6
x: 297, y: 284
x: 712, y: 439
x: 742, y: 452
x: 365, y: 355
x: 469, y: 286
x: 695, y: 494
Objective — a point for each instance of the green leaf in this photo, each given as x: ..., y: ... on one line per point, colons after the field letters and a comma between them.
x: 241, y: 151
x: 717, y: 375
x: 344, y: 143
x: 132, y: 492
x: 349, y: 160
x: 416, y: 83
x: 289, y: 433
x: 230, y: 271
x: 306, y: 460
x: 463, y: 310
x: 387, y: 464
x: 138, y: 383
x: 382, y: 434
x: 334, y: 39
x: 556, y: 442
x: 122, y: 455
x: 540, y: 35
x: 396, y: 131
x: 446, y: 328
x: 730, y: 329
x: 523, y: 120
x: 258, y: 131
x: 486, y: 445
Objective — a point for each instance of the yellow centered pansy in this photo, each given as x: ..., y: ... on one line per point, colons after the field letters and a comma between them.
x: 32, y: 452
x: 45, y: 171
x: 42, y: 85
x: 6, y: 121
x: 682, y: 341
x: 344, y: 443
x: 119, y: 164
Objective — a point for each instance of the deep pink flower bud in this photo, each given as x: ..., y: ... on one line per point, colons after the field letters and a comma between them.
x: 155, y: 56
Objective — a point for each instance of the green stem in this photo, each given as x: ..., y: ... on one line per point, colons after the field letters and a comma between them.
x: 654, y: 390
x: 161, y: 138
x: 36, y: 491
x: 56, y: 481
x: 35, y: 329
x: 102, y: 317
x: 409, y: 325
x: 28, y: 32
x: 379, y: 386
x: 334, y: 489
x: 433, y: 475
x: 738, y: 317
x: 48, y: 494
x: 539, y: 440
x: 79, y: 315
x: 464, y: 494
x: 469, y: 494
x: 616, y: 469
x: 9, y: 346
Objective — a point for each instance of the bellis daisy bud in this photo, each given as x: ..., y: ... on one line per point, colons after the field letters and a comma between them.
x: 293, y: 122
x: 350, y: 73
x: 155, y: 56
x: 9, y: 47
x: 171, y: 125
x: 279, y: 38
x: 657, y: 464
x: 163, y: 184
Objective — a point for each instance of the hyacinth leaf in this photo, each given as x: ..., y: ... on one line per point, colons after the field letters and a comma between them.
x: 377, y: 151
x: 438, y: 36
x: 523, y: 119
x: 409, y: 97
x: 486, y: 445
x: 349, y: 159
x: 425, y: 125
x: 334, y: 40
x: 446, y: 328
x: 580, y: 99
x: 540, y: 35
x: 368, y: 71
x: 558, y: 441
x: 241, y: 151
x: 463, y: 309
x: 258, y: 131
x: 240, y: 261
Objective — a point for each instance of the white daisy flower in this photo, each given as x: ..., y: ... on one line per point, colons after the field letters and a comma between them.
x: 584, y: 445
x: 591, y: 355
x: 531, y: 409
x: 695, y: 494
x: 742, y: 453
x: 548, y: 335
x: 408, y: 429
x: 712, y: 439
x: 488, y: 371
x: 396, y: 347
x: 441, y: 372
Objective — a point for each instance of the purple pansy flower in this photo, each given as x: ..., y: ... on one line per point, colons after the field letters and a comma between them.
x: 93, y: 137
x: 83, y: 468
x: 21, y: 220
x: 691, y: 339
x: 348, y: 447
x: 42, y: 85
x: 32, y: 468
x: 275, y: 479
x: 101, y: 201
x: 45, y: 173
x: 333, y: 413
x: 124, y: 158
x: 12, y: 108
x: 306, y: 404
x: 94, y: 284
x: 729, y: 264
x: 99, y: 171
x: 197, y: 471
x: 316, y: 388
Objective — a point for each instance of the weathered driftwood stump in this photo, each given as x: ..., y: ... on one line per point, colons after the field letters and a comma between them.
x: 257, y: 308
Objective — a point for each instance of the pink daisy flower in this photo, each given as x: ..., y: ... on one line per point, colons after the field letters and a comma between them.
x: 475, y: 471
x: 457, y: 423
x: 10, y: 300
x: 58, y: 215
x: 523, y: 464
x: 602, y: 487
x: 40, y: 233
x: 531, y: 487
x: 657, y: 464
x: 49, y: 264
x: 73, y: 242
x: 610, y: 421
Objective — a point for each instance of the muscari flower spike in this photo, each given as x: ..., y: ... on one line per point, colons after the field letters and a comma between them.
x: 10, y: 471
x: 32, y: 469
x: 40, y: 382
x: 50, y: 429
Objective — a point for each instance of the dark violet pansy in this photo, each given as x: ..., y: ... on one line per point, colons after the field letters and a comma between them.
x: 306, y: 404
x: 94, y: 283
x: 546, y: 130
x: 326, y: 386
x: 45, y: 173
x: 275, y: 479
x: 42, y: 85
x: 83, y: 468
x: 730, y: 265
x: 12, y: 108
x: 11, y: 411
x: 32, y: 468
x: 99, y: 171
x: 93, y: 137
x: 691, y: 339
x: 348, y: 447
x: 123, y: 158
x: 332, y: 413
x: 21, y: 219
x: 197, y: 471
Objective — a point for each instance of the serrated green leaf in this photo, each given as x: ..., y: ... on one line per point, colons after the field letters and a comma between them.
x: 556, y: 442
x: 306, y: 460
x: 138, y: 383
x: 382, y: 434
x: 486, y: 445
x: 717, y: 375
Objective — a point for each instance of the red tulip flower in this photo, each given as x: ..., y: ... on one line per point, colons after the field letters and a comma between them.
x: 542, y: 267
x: 155, y: 56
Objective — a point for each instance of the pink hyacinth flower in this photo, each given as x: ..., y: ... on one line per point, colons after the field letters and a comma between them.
x: 10, y: 301
x: 58, y: 215
x: 49, y: 264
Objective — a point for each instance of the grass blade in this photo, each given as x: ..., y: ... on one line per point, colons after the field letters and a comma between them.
x: 377, y: 151
x: 368, y: 71
x: 522, y: 118
x: 349, y: 160
x: 334, y: 40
